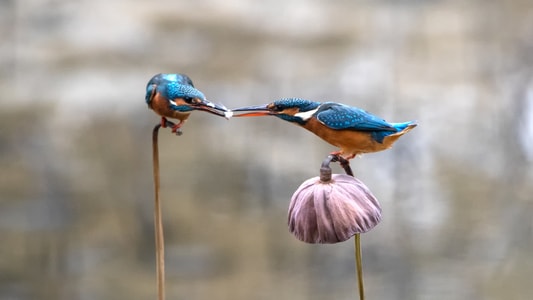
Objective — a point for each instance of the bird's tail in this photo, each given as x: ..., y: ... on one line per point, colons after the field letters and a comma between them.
x: 405, y: 126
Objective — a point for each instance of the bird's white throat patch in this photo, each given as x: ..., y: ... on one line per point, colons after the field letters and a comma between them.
x: 306, y: 115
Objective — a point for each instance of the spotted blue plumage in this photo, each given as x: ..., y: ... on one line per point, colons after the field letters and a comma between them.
x: 342, y: 117
x: 174, y: 90
x: 302, y: 104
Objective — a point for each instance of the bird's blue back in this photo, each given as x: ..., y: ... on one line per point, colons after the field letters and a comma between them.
x: 342, y: 117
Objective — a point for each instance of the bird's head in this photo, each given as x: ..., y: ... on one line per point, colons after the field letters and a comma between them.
x: 289, y: 109
x: 181, y: 95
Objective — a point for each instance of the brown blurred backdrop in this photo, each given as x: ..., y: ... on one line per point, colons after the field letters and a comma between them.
x: 76, y: 193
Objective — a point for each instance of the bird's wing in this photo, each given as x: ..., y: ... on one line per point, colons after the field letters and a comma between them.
x: 339, y: 116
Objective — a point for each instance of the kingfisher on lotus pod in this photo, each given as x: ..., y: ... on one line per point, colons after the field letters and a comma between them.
x: 353, y: 130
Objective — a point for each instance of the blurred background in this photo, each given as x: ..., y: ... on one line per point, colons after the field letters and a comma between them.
x: 76, y: 188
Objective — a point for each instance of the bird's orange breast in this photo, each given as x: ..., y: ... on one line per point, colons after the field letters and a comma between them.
x: 162, y: 107
x: 350, y: 142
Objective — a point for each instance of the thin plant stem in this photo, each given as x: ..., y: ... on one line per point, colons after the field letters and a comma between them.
x: 359, y: 266
x: 345, y: 164
x: 158, y: 223
x: 158, y: 217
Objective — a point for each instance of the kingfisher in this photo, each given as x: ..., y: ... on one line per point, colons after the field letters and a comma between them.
x: 174, y: 96
x: 353, y: 130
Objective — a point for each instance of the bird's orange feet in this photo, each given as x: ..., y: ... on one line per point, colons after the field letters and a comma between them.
x: 176, y: 127
x: 350, y: 156
x: 336, y: 153
x: 344, y: 162
x: 339, y: 154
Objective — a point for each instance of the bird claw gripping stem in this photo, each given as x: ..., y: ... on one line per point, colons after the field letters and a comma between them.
x: 166, y: 123
x: 345, y: 164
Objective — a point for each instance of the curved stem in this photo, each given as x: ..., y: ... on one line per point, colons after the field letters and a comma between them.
x: 158, y: 223
x: 325, y: 170
x: 345, y: 164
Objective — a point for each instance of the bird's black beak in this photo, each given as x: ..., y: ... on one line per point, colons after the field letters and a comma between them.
x: 253, y: 111
x: 210, y: 107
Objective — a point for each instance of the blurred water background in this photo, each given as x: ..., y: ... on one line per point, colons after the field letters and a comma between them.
x: 76, y: 194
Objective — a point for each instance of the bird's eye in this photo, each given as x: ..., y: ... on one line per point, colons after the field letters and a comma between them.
x: 188, y: 100
x: 277, y: 108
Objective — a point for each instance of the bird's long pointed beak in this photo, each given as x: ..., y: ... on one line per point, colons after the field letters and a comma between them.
x: 253, y: 111
x: 216, y: 109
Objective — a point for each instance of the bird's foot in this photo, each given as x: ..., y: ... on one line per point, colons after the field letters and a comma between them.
x: 350, y: 156
x: 336, y: 153
x: 164, y: 122
x: 341, y: 157
x: 344, y: 162
x: 175, y: 128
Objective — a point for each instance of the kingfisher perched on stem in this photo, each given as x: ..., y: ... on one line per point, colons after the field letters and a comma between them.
x: 174, y: 96
x: 352, y: 129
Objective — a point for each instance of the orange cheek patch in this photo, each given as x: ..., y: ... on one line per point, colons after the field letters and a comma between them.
x: 291, y: 111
